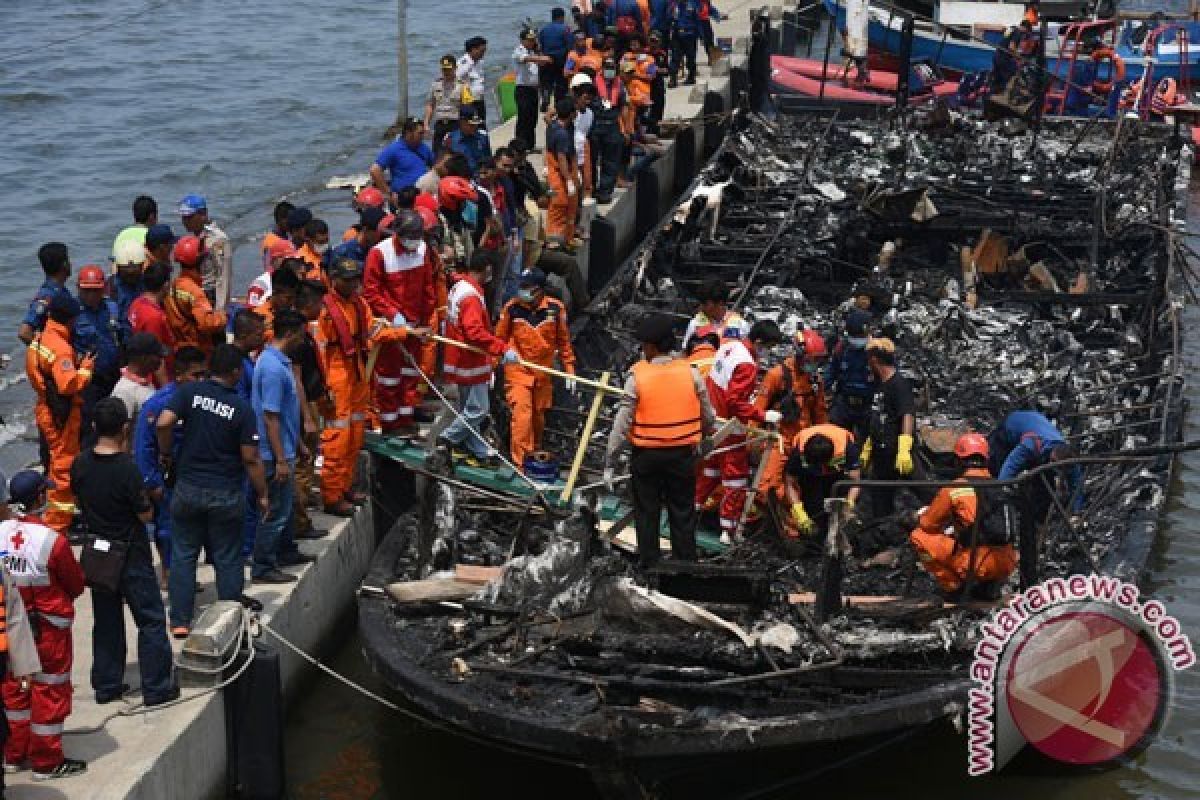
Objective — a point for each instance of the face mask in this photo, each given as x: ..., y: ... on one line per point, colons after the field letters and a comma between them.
x: 525, y: 295
x: 857, y: 341
x: 610, y: 73
x: 411, y: 244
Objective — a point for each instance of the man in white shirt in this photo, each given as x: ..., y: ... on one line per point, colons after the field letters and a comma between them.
x: 526, y: 61
x: 145, y: 353
x: 470, y: 72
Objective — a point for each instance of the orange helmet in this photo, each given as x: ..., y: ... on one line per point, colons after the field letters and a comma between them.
x: 453, y: 191
x: 971, y: 444
x: 368, y: 197
x: 812, y: 343
x: 429, y: 219
x: 188, y: 251
x: 91, y: 277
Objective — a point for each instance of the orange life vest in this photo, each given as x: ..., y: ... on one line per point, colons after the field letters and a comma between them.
x: 703, y: 357
x: 840, y: 437
x: 667, y: 413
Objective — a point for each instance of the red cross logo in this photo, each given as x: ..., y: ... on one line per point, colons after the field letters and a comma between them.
x: 18, y: 539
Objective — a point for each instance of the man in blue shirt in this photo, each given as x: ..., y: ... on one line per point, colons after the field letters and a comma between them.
x: 370, y: 233
x: 1028, y: 439
x: 101, y: 330
x: 190, y: 366
x: 469, y: 141
x: 249, y: 335
x: 126, y: 285
x: 277, y: 412
x: 218, y: 447
x: 57, y: 266
x: 402, y: 163
x: 554, y: 40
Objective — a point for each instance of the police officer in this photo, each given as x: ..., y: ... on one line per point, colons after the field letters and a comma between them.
x: 664, y: 415
x: 99, y: 329
x: 849, y: 379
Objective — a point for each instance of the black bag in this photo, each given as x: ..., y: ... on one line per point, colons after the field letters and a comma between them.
x: 994, y: 519
x: 103, y: 561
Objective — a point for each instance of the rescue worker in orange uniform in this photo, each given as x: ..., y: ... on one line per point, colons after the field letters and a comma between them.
x: 638, y: 71
x: 976, y: 516
x: 665, y: 415
x: 793, y: 388
x: 818, y: 457
x: 562, y: 171
x: 277, y: 235
x: 398, y: 285
x: 44, y: 569
x: 190, y: 315
x: 58, y: 377
x: 582, y: 54
x: 346, y: 332
x: 702, y: 349
x: 534, y: 325
x: 731, y: 384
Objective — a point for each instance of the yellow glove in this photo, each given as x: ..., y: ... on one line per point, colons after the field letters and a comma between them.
x: 904, y: 459
x: 864, y: 458
x: 803, y: 522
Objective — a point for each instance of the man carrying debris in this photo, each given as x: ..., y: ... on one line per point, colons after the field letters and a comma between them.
x: 794, y: 388
x: 887, y: 453
x: 714, y: 310
x: 1027, y: 440
x: 817, y: 458
x: 965, y: 535
x: 535, y: 325
x: 731, y: 384
x: 664, y: 415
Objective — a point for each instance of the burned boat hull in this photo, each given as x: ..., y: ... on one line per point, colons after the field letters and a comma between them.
x: 625, y: 699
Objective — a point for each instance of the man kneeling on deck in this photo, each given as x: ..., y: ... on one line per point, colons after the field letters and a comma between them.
x: 664, y: 414
x: 978, y: 549
x: 820, y: 456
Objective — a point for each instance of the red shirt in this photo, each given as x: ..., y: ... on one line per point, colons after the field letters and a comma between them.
x: 147, y: 315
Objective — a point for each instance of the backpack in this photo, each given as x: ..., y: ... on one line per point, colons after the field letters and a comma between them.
x: 995, y: 520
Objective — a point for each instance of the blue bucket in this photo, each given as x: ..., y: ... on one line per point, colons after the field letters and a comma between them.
x: 541, y: 466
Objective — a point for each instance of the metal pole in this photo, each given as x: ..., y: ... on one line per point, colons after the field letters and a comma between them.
x: 402, y: 60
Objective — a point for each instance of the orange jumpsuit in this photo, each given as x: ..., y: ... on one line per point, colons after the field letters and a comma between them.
x: 637, y: 73
x: 192, y: 319
x: 808, y: 396
x: 941, y: 554
x: 560, y: 216
x: 52, y: 369
x: 313, y: 260
x: 538, y: 334
x: 346, y: 332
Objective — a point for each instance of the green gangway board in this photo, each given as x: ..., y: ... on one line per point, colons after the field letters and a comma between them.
x: 502, y: 479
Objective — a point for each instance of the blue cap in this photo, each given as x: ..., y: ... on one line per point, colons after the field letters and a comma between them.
x: 160, y: 234
x: 192, y: 204
x: 298, y: 218
x: 533, y: 277
x: 26, y: 485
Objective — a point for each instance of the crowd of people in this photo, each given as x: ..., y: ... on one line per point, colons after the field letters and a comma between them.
x: 696, y: 417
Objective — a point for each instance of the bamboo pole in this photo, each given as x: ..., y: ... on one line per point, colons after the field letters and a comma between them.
x: 584, y: 438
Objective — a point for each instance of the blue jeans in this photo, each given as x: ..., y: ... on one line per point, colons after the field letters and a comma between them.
x: 139, y: 590
x: 162, y: 526
x: 473, y: 406
x: 272, y: 539
x: 208, y: 518
x: 250, y: 521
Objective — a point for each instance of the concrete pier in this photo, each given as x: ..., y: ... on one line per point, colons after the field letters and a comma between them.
x: 179, y: 753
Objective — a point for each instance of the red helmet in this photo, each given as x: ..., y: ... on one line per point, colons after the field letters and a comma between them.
x: 428, y: 218
x: 91, y: 277
x: 368, y: 197
x: 454, y: 191
x: 971, y: 444
x: 813, y: 344
x: 188, y: 251
x: 426, y: 200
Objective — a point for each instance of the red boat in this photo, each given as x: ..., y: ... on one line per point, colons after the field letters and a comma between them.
x: 803, y: 76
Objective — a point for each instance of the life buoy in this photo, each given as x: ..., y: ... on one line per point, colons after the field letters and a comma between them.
x: 1116, y: 69
x: 1164, y: 96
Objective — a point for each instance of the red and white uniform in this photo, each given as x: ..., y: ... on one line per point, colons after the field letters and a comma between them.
x: 45, y: 571
x: 396, y: 280
x: 467, y: 321
x: 730, y: 383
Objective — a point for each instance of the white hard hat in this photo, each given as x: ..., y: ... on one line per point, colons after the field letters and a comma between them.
x: 580, y: 80
x: 129, y: 251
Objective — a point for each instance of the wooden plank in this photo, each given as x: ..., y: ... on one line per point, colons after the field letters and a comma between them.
x: 431, y: 591
x: 471, y: 573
